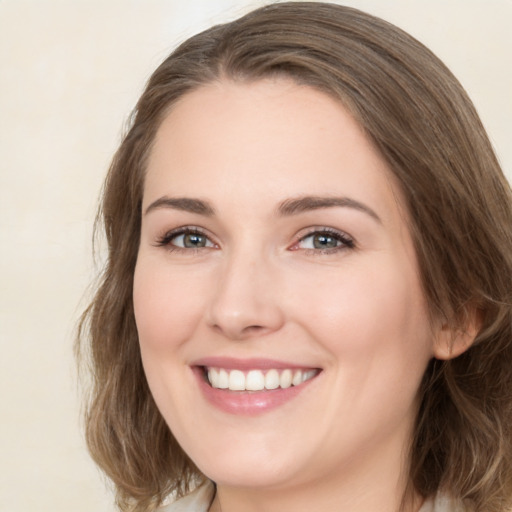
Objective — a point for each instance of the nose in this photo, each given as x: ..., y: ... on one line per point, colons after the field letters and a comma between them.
x: 245, y: 302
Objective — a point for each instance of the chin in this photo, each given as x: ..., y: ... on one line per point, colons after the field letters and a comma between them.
x: 252, y: 468
x: 250, y: 477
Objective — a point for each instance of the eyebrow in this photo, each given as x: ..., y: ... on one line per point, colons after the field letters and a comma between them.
x: 308, y: 203
x: 186, y: 204
x: 288, y: 207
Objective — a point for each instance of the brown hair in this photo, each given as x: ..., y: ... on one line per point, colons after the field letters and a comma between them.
x: 460, y: 206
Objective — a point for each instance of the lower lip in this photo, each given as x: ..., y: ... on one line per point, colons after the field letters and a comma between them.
x: 248, y: 403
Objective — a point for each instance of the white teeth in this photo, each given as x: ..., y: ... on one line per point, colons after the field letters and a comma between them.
x: 223, y: 379
x: 257, y: 380
x: 285, y: 381
x: 308, y: 375
x: 218, y: 378
x: 272, y: 379
x: 213, y: 377
x: 236, y: 380
x: 297, y: 378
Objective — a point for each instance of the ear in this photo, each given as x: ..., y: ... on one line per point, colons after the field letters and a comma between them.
x: 451, y: 342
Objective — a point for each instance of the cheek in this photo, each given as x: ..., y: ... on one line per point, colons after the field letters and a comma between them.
x: 362, y: 312
x: 375, y: 326
x: 166, y: 313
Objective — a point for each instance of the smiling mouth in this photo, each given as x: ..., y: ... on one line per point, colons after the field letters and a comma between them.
x: 257, y: 380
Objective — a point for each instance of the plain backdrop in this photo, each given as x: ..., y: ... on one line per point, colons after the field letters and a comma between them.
x: 70, y: 72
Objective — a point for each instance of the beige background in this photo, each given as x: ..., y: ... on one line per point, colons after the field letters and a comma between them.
x: 70, y: 71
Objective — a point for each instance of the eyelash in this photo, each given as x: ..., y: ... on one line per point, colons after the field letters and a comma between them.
x: 166, y: 240
x: 345, y: 241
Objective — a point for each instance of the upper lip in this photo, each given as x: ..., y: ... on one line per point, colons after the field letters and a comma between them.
x: 233, y: 363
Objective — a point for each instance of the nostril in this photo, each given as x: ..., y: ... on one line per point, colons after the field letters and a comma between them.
x: 252, y: 328
x: 240, y: 333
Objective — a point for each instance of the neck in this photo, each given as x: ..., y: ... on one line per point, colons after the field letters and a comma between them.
x: 375, y: 487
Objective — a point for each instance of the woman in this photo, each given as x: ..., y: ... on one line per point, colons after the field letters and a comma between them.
x: 307, y: 299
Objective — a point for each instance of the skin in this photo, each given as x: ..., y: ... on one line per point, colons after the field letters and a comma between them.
x: 259, y: 288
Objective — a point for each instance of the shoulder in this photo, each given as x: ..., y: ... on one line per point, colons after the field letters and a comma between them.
x: 198, y: 500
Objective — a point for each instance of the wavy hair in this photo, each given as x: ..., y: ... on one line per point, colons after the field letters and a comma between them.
x: 460, y: 207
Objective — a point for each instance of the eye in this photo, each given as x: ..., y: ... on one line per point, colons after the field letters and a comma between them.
x: 325, y: 240
x: 191, y: 240
x: 185, y: 238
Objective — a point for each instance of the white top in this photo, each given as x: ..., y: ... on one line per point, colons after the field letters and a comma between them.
x: 198, y: 500
x: 201, y: 498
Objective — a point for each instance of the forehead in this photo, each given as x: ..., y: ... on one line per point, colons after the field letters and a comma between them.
x: 262, y: 141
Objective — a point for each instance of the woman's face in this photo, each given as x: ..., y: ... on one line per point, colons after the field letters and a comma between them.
x: 276, y: 257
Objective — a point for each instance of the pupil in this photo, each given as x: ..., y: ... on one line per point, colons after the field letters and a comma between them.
x: 194, y: 240
x: 325, y: 242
